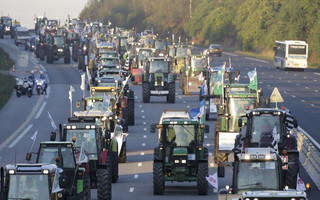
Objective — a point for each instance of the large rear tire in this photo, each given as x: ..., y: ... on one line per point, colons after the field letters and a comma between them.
x: 172, y: 93
x: 146, y: 92
x: 123, y: 153
x: 115, y: 166
x: 130, y: 108
x: 158, y: 178
x: 67, y: 57
x: 87, y: 187
x: 104, y: 184
x: 292, y: 172
x: 202, y: 183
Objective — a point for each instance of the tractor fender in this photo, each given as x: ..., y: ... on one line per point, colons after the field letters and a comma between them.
x: 103, y: 157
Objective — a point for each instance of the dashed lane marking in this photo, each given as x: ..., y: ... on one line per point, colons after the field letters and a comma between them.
x: 316, y: 90
x: 142, y: 111
x: 136, y: 176
x: 208, y: 145
x: 210, y: 154
x: 143, y: 144
x: 268, y: 85
x: 188, y: 106
x: 263, y: 61
x: 144, y: 123
x: 40, y: 110
x: 131, y: 189
x: 140, y: 106
x: 285, y: 92
x: 20, y: 136
x: 307, y: 87
x: 145, y: 129
x: 142, y: 153
x: 48, y: 92
x: 205, y: 136
x: 230, y: 54
x: 180, y: 97
x: 293, y: 96
x: 312, y: 105
x: 317, y: 73
x: 315, y: 80
x: 143, y: 117
x: 139, y: 164
x: 297, y: 84
x: 303, y: 100
x: 289, y: 81
x: 184, y: 102
x: 144, y: 136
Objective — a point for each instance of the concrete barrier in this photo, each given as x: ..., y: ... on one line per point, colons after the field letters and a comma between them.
x: 309, y: 155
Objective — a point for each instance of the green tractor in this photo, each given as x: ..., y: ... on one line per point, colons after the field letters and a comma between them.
x: 63, y: 154
x: 30, y: 181
x: 272, y: 127
x: 158, y: 79
x: 181, y: 155
x: 57, y: 48
x: 191, y: 76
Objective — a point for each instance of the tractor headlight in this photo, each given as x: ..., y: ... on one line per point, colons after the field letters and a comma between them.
x: 183, y: 161
x: 176, y: 161
x: 87, y: 127
x: 11, y: 171
x: 60, y: 50
x: 268, y: 157
x: 59, y: 195
x: 45, y: 171
x: 73, y: 127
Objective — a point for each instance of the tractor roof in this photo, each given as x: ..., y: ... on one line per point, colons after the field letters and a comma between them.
x: 180, y: 121
x: 37, y: 168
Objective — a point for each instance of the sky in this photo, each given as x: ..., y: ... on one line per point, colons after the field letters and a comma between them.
x: 25, y: 10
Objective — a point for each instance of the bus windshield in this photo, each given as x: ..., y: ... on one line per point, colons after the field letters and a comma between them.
x: 297, y: 49
x: 29, y: 186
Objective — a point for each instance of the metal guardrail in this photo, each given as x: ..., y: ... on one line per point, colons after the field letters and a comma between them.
x: 309, y: 155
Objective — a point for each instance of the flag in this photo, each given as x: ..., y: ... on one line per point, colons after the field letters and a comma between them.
x: 204, y: 89
x: 88, y: 74
x: 253, y: 79
x: 275, y: 137
x: 83, y: 158
x: 34, y: 137
x: 70, y: 93
x: 83, y: 81
x: 300, y: 184
x: 213, y: 180
x: 54, y: 127
x: 55, y: 187
x: 218, y: 85
x: 198, y: 112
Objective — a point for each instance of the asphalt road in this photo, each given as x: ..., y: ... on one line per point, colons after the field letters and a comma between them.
x: 22, y: 117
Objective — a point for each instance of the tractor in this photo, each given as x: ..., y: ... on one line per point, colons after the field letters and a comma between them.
x: 272, y: 127
x: 57, y: 48
x: 158, y: 79
x: 181, y: 155
x: 31, y: 181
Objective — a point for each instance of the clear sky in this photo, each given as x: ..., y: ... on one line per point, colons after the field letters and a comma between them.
x: 25, y: 10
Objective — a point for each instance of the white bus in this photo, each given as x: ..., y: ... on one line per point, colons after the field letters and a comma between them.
x: 291, y: 54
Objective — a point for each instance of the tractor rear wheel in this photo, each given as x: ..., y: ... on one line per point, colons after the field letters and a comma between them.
x: 146, y: 92
x: 114, y: 166
x: 130, y: 108
x: 202, y: 183
x: 158, y: 178
x: 87, y: 187
x: 292, y: 172
x: 172, y: 93
x: 123, y: 153
x: 104, y: 184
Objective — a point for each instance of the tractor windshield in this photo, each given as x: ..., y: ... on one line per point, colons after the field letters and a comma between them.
x: 98, y: 105
x: 143, y: 54
x: 237, y: 107
x: 102, y: 93
x: 49, y: 154
x: 29, y: 186
x: 171, y: 51
x: 181, y: 135
x: 197, y: 65
x: 265, y: 125
x: 7, y: 22
x: 183, y: 51
x: 148, y: 41
x: 86, y: 136
x: 52, y: 22
x: 159, y: 66
x: 159, y: 44
x: 257, y: 176
x: 59, y: 41
x: 109, y: 62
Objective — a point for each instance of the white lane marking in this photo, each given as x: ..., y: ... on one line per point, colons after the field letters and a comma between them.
x: 303, y: 100
x: 280, y: 78
x: 256, y: 60
x: 48, y: 92
x: 245, y: 76
x: 297, y: 84
x: 142, y: 153
x: 289, y: 81
x: 210, y: 154
x: 312, y: 105
x: 305, y: 77
x: 208, y: 145
x: 145, y: 129
x: 268, y: 85
x: 142, y: 111
x: 271, y: 76
x: 131, y: 189
x: 143, y: 144
x: 138, y: 101
x: 261, y: 72
x: 286, y: 72
x: 230, y: 54
x: 180, y: 97
x: 143, y: 117
x: 144, y: 123
x: 260, y: 82
x: 285, y: 92
x: 295, y: 74
x: 42, y: 68
x: 317, y: 73
x: 34, y: 60
x: 140, y: 106
x: 316, y: 90
x: 251, y: 64
x: 293, y: 96
x: 20, y: 136
x: 176, y: 93
x: 184, y: 102
x: 139, y: 164
x: 144, y: 136
x: 136, y: 176
x: 205, y: 136
x: 40, y: 110
x: 136, y: 97
x: 307, y: 87
x: 211, y: 165
x: 315, y: 80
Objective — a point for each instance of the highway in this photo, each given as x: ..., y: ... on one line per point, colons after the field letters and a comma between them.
x: 22, y: 117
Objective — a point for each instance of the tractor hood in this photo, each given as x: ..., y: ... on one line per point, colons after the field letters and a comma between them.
x: 180, y: 151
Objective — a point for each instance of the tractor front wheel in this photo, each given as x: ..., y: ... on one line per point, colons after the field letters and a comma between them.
x: 172, y: 93
x: 158, y: 178
x: 145, y: 92
x: 104, y: 184
x: 202, y: 183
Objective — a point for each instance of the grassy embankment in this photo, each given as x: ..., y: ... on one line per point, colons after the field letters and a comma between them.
x: 6, y: 81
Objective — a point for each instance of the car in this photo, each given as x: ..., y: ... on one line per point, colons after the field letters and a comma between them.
x: 215, y: 49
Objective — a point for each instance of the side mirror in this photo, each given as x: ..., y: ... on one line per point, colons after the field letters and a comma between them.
x: 239, y: 122
x: 206, y: 129
x: 53, y: 136
x: 152, y: 128
x: 221, y: 171
x: 28, y: 156
x: 175, y: 62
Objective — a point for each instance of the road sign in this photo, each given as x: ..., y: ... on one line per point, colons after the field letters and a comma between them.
x: 276, y: 96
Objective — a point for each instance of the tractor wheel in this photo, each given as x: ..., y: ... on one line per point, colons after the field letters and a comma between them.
x: 202, y: 183
x: 125, y: 116
x: 130, y: 108
x: 81, y: 62
x: 104, y: 184
x: 114, y: 166
x: 158, y: 178
x: 41, y: 54
x: 29, y: 93
x: 172, y: 93
x: 292, y: 172
x: 87, y: 187
x: 123, y: 153
x: 38, y: 91
x: 50, y: 58
x: 220, y: 158
x: 146, y: 92
x: 67, y: 57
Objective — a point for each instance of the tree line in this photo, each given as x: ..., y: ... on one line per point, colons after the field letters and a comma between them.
x: 251, y: 25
